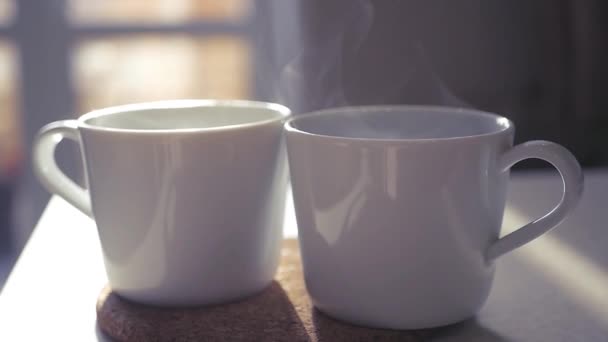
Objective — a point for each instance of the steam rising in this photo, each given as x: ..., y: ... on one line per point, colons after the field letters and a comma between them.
x: 347, y: 56
x: 313, y: 79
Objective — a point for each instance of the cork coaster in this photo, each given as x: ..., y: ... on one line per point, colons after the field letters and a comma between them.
x: 282, y: 312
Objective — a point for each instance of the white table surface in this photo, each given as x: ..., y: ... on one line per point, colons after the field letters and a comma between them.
x: 554, y: 289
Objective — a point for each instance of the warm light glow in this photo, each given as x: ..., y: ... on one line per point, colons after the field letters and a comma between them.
x: 154, y: 11
x: 577, y: 276
x: 140, y: 68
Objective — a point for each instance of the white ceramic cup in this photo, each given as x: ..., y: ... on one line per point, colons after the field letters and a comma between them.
x: 187, y: 195
x: 399, y: 209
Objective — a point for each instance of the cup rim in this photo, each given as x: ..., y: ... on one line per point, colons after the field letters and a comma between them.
x: 508, y: 125
x: 283, y: 112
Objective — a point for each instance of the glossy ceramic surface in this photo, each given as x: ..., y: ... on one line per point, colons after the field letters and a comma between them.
x: 187, y: 195
x: 399, y: 209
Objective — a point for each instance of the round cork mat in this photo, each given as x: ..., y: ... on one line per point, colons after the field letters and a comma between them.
x: 282, y: 312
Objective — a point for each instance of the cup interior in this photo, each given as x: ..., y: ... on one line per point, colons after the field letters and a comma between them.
x: 184, y: 115
x: 399, y: 123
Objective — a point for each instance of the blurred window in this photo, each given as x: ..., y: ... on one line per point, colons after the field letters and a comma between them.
x: 10, y: 137
x: 159, y: 52
x: 135, y: 68
x: 155, y: 11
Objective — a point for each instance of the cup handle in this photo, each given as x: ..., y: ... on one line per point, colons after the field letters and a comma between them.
x: 46, y: 169
x: 572, y: 178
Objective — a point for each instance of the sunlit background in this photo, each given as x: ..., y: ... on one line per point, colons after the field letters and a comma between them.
x: 143, y: 66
